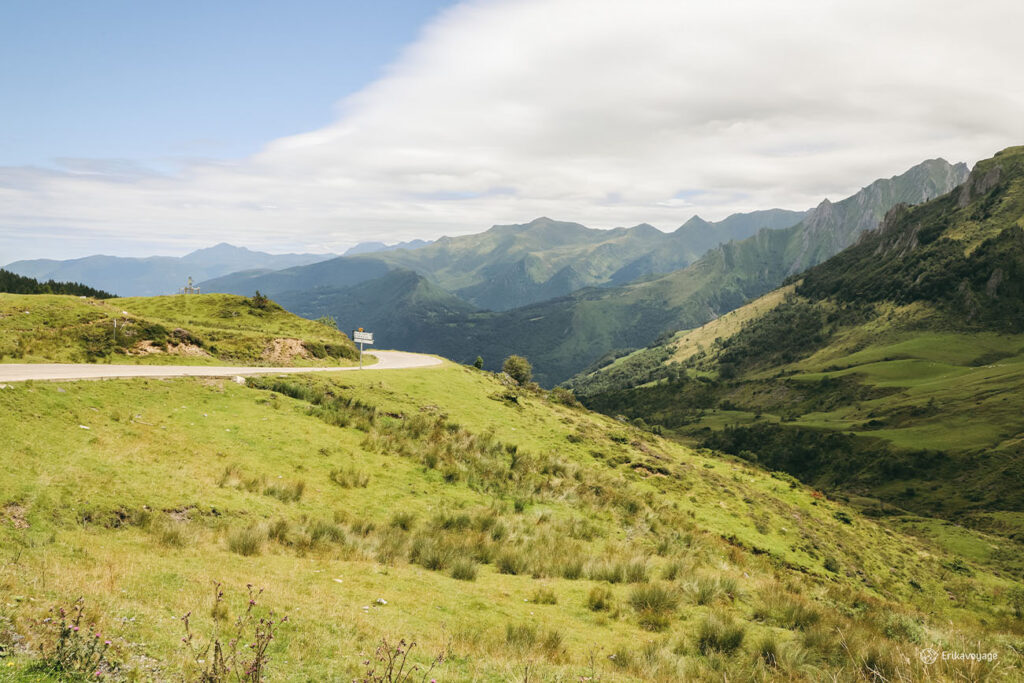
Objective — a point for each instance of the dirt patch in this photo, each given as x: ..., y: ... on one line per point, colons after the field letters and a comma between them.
x: 15, y: 514
x: 180, y: 514
x: 285, y: 350
x: 148, y: 348
x: 187, y: 350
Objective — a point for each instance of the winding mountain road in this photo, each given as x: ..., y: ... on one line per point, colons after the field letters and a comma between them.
x: 20, y: 372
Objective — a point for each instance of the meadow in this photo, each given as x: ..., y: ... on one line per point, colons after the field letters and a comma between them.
x: 509, y: 533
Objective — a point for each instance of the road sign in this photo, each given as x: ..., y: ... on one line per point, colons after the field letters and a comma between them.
x: 361, y: 337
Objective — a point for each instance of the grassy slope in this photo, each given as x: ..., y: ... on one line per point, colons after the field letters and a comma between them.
x: 908, y: 342
x: 229, y: 329
x: 135, y: 513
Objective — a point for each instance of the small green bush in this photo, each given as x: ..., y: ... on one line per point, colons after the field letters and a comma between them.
x: 600, y: 599
x: 718, y: 633
x: 636, y: 571
x: 286, y: 493
x: 705, y: 590
x: 246, y: 542
x: 544, y: 596
x: 464, y: 570
x: 768, y: 651
x: 653, y: 597
x: 612, y: 572
x: 403, y: 520
x: 518, y: 368
x: 350, y: 478
x: 512, y: 562
x: 572, y: 569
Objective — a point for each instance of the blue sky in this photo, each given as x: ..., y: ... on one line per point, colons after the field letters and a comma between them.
x: 156, y: 127
x: 150, y: 81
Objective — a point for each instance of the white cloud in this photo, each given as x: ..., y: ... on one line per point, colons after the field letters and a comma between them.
x: 598, y: 111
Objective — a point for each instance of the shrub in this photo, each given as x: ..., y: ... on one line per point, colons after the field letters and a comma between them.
x: 903, y: 628
x: 279, y: 529
x: 768, y: 651
x: 600, y: 599
x: 479, y: 363
x: 653, y: 597
x: 705, y: 590
x: 831, y: 564
x: 390, y: 546
x: 430, y: 553
x: 512, y: 562
x: 520, y: 636
x: 286, y: 493
x: 564, y: 397
x: 464, y: 570
x: 518, y: 368
x: 322, y: 530
x: 673, y: 570
x: 728, y: 586
x: 787, y: 611
x: 719, y: 634
x: 246, y: 542
x: 403, y: 520
x: 350, y: 478
x: 636, y: 571
x: 612, y: 572
x: 544, y: 596
x: 572, y: 569
x: 499, y: 531
x: 553, y: 642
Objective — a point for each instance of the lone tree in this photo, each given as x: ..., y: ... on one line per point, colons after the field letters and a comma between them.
x: 479, y: 363
x: 518, y: 368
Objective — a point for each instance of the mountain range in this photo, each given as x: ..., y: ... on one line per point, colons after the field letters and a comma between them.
x: 149, y: 276
x: 509, y: 266
x: 560, y: 293
x: 401, y: 294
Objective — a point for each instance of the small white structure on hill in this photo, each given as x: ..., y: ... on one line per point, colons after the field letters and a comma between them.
x: 189, y: 288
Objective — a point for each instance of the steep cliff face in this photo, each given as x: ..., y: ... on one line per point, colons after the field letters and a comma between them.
x: 830, y: 228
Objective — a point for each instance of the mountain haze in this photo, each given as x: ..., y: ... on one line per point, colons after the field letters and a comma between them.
x: 126, y: 276
x: 509, y: 266
x: 572, y: 321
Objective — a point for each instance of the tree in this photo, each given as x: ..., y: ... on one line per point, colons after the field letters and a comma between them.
x: 259, y: 300
x: 479, y: 363
x: 518, y: 368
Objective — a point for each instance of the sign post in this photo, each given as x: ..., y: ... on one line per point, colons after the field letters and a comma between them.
x: 362, y: 337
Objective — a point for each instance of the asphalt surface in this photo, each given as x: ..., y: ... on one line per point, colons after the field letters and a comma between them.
x: 20, y: 372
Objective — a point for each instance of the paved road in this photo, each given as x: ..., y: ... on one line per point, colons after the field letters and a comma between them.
x: 19, y: 372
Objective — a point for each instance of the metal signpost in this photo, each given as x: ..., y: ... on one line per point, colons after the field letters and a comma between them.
x: 363, y: 338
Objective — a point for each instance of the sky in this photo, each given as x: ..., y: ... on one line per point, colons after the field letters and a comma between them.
x: 135, y: 128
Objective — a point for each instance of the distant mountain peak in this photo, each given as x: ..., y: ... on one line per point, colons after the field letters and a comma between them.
x: 219, y: 249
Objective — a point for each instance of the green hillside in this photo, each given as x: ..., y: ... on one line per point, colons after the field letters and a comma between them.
x: 202, y: 329
x: 505, y: 533
x: 890, y: 373
x: 510, y: 266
